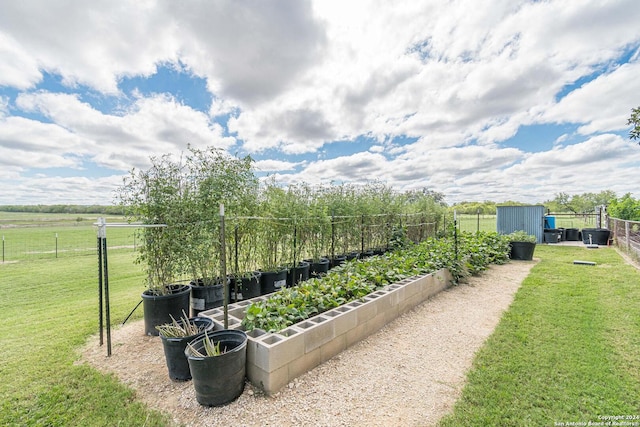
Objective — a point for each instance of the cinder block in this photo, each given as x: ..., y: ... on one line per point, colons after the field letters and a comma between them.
x: 276, y: 350
x: 237, y: 312
x: 317, y: 331
x: 356, y: 334
x: 346, y: 319
x: 367, y: 310
x: 409, y: 303
x: 333, y: 347
x: 304, y: 364
x: 413, y: 287
x: 375, y: 324
x: 269, y: 382
x: 386, y: 300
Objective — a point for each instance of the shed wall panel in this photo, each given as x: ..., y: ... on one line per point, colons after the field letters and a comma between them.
x: 527, y: 218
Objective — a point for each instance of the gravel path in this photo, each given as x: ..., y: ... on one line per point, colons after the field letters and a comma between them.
x: 410, y: 373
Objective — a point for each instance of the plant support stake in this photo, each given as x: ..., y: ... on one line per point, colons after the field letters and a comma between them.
x: 103, y: 276
x: 223, y: 272
x: 103, y: 284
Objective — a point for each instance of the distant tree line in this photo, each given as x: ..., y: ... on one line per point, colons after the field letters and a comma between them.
x: 64, y: 209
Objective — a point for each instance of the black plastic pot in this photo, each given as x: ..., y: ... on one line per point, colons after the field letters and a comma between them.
x: 367, y: 254
x: 551, y: 235
x: 249, y: 287
x: 522, y: 251
x: 318, y: 268
x: 206, y: 297
x: 573, y: 234
x: 338, y: 260
x: 271, y: 281
x: 158, y: 309
x: 218, y: 380
x: 298, y: 274
x: 595, y: 236
x: 177, y: 363
x: 353, y: 255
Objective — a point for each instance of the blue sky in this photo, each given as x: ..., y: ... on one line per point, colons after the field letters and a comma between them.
x: 517, y: 100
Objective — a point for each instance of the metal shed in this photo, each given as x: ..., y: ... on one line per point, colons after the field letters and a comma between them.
x: 527, y: 218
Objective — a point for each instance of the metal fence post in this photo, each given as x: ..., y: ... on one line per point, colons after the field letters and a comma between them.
x: 223, y: 272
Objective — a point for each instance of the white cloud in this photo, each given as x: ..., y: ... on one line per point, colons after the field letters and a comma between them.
x: 275, y: 165
x: 294, y: 76
x: 151, y: 126
x: 604, y: 104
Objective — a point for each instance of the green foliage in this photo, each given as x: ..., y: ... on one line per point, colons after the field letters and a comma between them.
x: 473, y: 208
x: 579, y: 203
x: 211, y: 348
x: 358, y: 278
x: 626, y: 207
x: 180, y: 329
x: 185, y: 194
x: 521, y: 236
x: 634, y: 120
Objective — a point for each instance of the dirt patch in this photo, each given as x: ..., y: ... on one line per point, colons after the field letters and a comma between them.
x: 409, y: 373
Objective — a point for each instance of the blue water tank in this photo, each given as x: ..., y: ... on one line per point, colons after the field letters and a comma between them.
x: 549, y: 221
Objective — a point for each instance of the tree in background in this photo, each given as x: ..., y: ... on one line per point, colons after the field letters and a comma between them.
x: 579, y: 203
x: 634, y: 120
x: 626, y: 207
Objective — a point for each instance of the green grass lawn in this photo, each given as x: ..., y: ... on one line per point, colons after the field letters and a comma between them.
x: 567, y: 350
x: 49, y: 308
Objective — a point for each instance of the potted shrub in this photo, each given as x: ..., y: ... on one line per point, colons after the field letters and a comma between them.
x: 214, y: 178
x: 154, y: 198
x: 522, y: 245
x: 175, y: 336
x: 217, y: 362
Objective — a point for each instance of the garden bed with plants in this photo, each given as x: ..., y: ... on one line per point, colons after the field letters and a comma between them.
x: 295, y: 329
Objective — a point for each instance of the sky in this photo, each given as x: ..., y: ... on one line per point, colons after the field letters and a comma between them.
x: 495, y: 100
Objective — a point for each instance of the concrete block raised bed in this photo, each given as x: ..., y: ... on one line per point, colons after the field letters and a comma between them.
x: 274, y: 359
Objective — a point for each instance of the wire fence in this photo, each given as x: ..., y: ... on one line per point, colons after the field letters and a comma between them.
x: 46, y: 240
x: 626, y: 235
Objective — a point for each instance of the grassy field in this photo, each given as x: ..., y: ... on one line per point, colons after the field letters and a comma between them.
x: 44, y: 236
x: 49, y: 308
x: 565, y: 351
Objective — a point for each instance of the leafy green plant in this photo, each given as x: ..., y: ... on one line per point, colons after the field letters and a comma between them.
x: 180, y: 329
x: 211, y: 348
x: 358, y: 278
x: 521, y: 236
x: 182, y: 197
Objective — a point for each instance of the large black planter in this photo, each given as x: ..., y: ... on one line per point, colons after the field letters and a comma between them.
x: 353, y: 255
x: 318, y: 268
x: 218, y: 380
x: 158, y: 309
x: 551, y: 235
x: 177, y: 363
x: 298, y: 274
x: 522, y: 251
x: 366, y: 254
x: 249, y: 286
x: 206, y: 297
x: 595, y: 236
x: 271, y: 281
x: 338, y: 260
x: 572, y: 234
